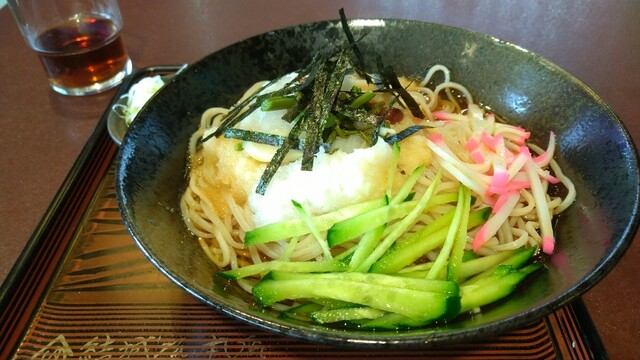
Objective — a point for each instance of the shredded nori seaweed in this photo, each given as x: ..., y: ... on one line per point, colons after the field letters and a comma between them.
x: 321, y: 111
x: 404, y: 134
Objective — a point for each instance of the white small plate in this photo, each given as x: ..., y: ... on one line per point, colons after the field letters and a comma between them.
x: 116, y: 124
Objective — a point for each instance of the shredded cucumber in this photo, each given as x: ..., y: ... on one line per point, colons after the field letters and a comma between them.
x: 297, y: 227
x: 419, y: 305
x: 374, y: 282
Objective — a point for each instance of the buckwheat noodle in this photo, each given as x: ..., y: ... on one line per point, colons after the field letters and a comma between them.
x: 218, y: 213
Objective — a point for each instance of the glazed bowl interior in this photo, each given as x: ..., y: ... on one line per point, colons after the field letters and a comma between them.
x: 593, y: 148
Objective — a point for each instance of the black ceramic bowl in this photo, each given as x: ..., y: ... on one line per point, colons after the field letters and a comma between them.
x: 594, y: 149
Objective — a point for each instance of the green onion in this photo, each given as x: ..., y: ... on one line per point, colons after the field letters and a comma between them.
x: 278, y: 103
x: 362, y: 99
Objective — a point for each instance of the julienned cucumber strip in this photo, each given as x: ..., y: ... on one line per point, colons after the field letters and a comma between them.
x: 346, y: 314
x: 411, y: 248
x: 304, y: 215
x: 454, y: 264
x: 516, y: 260
x: 302, y: 266
x: 480, y: 264
x: 467, y: 268
x: 418, y: 305
x: 365, y: 246
x: 351, y: 228
x: 528, y: 269
x: 297, y: 227
x: 493, y: 287
x: 453, y: 231
x: 403, y: 225
x: 301, y: 312
x: 392, y: 321
x: 437, y: 199
x: 368, y: 242
x: 397, y: 258
x: 329, y: 304
x: 407, y: 186
x: 439, y: 286
x: 520, y: 257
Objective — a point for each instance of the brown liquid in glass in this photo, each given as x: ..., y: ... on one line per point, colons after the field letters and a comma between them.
x: 80, y: 53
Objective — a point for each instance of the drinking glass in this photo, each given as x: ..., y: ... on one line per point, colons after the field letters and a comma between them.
x: 78, y: 42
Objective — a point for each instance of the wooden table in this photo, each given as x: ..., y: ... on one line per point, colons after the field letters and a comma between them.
x: 42, y: 132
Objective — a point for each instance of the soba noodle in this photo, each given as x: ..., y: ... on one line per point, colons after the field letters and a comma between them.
x: 217, y: 207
